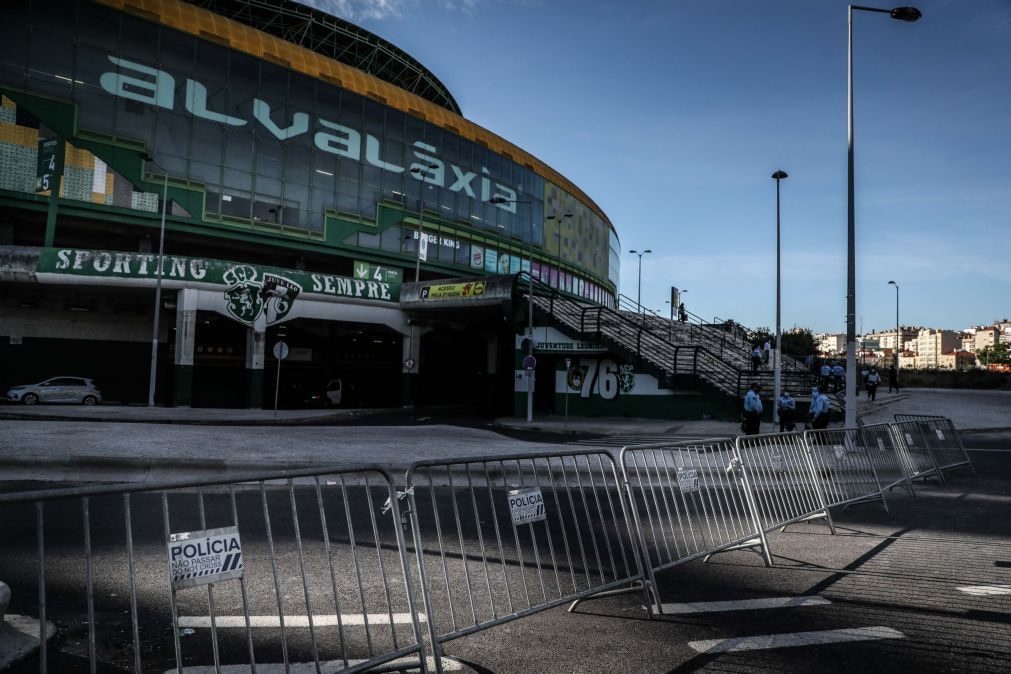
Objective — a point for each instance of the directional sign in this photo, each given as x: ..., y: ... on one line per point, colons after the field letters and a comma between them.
x: 45, y: 170
x: 374, y: 272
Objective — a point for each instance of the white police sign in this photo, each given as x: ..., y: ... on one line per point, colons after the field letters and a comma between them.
x: 203, y: 557
x: 688, y: 480
x: 526, y: 505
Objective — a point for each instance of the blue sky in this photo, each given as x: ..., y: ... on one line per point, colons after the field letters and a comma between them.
x: 672, y: 116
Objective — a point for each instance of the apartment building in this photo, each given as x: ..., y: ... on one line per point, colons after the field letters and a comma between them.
x: 957, y: 360
x: 830, y: 344
x: 931, y: 344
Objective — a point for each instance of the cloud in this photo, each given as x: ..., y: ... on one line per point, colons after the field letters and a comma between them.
x: 360, y: 10
x: 378, y: 10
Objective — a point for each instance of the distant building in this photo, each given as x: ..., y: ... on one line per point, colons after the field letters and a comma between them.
x: 886, y: 339
x: 931, y: 343
x: 830, y: 344
x: 985, y: 337
x: 957, y: 360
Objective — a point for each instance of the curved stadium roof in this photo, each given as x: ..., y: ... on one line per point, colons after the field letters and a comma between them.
x: 337, y: 39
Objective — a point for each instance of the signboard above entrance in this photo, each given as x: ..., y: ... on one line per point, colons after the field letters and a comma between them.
x: 179, y: 271
x: 374, y: 272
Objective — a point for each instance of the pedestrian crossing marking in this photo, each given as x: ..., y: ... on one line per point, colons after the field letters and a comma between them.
x: 740, y: 605
x: 795, y: 639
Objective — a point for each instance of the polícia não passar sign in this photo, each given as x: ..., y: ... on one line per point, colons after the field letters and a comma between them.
x: 203, y: 557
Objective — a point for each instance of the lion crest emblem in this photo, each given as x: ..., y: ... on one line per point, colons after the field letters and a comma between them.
x: 246, y: 298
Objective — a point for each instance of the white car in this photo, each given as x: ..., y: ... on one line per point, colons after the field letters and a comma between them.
x: 79, y: 390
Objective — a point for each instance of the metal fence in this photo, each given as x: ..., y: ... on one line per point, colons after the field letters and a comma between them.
x: 888, y: 457
x: 687, y: 501
x: 313, y: 570
x: 501, y: 538
x: 844, y: 466
x: 304, y: 565
x: 938, y: 433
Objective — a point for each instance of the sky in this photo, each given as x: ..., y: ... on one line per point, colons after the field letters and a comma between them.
x: 672, y: 116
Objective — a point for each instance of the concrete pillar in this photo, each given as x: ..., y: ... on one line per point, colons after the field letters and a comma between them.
x: 186, y: 334
x: 256, y: 344
x: 410, y: 365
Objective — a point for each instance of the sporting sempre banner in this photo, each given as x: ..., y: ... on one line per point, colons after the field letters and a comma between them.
x: 248, y: 285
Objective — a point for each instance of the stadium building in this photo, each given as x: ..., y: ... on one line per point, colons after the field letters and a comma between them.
x: 298, y: 172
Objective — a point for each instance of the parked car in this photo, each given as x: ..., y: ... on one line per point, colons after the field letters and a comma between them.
x: 79, y: 390
x: 332, y: 395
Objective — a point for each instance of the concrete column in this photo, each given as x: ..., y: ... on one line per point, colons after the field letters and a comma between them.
x: 256, y: 344
x: 410, y: 365
x: 186, y: 334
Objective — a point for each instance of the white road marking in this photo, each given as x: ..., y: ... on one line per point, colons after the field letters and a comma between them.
x: 329, y: 620
x: 985, y: 590
x: 790, y: 640
x: 325, y: 667
x: 740, y: 605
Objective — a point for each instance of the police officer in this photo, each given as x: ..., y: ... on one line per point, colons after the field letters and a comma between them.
x: 752, y: 410
x: 787, y: 407
x: 819, y: 409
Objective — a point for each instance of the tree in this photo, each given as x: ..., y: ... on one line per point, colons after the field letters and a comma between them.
x: 799, y: 343
x: 998, y: 354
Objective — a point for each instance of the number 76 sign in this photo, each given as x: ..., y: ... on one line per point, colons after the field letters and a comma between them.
x: 601, y: 376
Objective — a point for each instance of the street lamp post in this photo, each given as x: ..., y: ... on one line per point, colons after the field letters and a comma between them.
x: 530, y: 306
x: 777, y: 367
x: 638, y: 297
x: 153, y: 376
x: 898, y: 339
x: 417, y: 171
x: 908, y: 14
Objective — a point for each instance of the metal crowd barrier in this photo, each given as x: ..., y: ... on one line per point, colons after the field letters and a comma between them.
x: 888, y: 456
x: 299, y: 572
x: 938, y: 433
x: 844, y: 465
x: 781, y: 476
x: 501, y: 538
x: 917, y: 449
x: 687, y: 501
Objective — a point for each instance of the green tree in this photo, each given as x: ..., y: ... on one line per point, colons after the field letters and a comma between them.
x: 999, y: 353
x: 799, y: 344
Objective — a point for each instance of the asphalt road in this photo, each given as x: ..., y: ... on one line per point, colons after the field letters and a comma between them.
x: 924, y: 588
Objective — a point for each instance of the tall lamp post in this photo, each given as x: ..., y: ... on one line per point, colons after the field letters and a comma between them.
x: 530, y: 305
x: 153, y: 376
x: 777, y: 367
x: 638, y: 296
x: 898, y: 339
x: 417, y: 172
x: 908, y: 14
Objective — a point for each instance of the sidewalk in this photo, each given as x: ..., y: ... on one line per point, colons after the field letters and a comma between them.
x: 183, y: 415
x: 969, y: 410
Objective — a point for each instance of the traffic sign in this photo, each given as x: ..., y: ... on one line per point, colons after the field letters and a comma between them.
x: 374, y: 272
x: 280, y: 350
x: 45, y: 170
x: 529, y: 362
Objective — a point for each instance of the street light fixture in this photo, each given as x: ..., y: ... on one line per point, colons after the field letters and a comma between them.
x: 777, y: 367
x: 417, y: 171
x: 908, y: 14
x: 638, y: 298
x: 898, y: 339
x: 153, y: 376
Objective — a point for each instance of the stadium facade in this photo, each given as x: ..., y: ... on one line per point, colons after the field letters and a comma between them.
x: 305, y: 162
